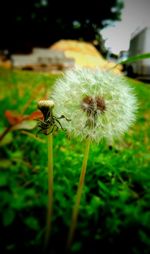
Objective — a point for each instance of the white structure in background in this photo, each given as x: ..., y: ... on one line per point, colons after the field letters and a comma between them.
x: 140, y: 44
x: 42, y: 59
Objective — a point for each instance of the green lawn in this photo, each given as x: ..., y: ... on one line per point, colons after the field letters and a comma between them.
x: 115, y: 211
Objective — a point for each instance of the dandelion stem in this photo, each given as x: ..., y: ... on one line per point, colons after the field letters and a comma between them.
x: 50, y: 190
x: 78, y: 195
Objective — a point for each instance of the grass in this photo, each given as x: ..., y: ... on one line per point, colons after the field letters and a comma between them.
x: 114, y: 214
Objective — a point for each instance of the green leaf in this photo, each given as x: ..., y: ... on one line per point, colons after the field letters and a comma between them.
x: 4, y: 164
x: 103, y: 187
x: 18, y: 202
x: 7, y: 139
x: 3, y: 179
x: 32, y: 223
x: 95, y: 203
x: 76, y: 247
x: 135, y: 58
x: 8, y: 217
x: 25, y: 125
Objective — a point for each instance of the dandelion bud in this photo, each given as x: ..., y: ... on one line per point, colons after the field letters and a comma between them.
x: 45, y: 106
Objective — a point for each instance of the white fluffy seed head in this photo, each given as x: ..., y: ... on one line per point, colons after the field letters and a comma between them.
x: 100, y: 104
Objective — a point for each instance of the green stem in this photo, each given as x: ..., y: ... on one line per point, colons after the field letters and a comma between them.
x: 50, y: 190
x: 78, y: 195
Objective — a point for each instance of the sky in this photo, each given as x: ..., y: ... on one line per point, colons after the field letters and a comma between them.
x: 135, y: 16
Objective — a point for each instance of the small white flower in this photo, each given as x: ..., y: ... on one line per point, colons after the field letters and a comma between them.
x: 99, y: 104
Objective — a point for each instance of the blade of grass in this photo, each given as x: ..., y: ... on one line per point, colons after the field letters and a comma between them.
x: 135, y: 58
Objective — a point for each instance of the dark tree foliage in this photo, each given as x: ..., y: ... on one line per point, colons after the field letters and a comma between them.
x: 28, y: 23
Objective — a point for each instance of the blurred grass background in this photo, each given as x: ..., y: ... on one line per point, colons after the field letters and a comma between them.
x: 115, y: 211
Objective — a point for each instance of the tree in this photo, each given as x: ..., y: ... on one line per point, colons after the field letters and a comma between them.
x: 28, y: 23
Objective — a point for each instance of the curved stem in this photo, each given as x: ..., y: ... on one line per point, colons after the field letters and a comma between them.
x: 50, y: 190
x: 78, y: 195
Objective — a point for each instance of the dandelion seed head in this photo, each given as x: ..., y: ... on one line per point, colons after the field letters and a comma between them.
x: 99, y: 104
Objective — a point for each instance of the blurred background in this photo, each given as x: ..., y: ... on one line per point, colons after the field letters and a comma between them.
x: 40, y: 23
x: 49, y: 35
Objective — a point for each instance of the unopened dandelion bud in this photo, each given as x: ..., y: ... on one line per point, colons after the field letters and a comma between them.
x: 45, y: 106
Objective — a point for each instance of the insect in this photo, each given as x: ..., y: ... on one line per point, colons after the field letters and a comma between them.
x: 50, y: 123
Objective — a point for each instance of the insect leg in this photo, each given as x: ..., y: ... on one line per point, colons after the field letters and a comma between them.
x: 59, y: 123
x: 51, y: 131
x: 61, y: 117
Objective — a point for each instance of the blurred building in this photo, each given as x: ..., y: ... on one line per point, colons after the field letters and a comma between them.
x: 140, y: 44
x: 62, y: 55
